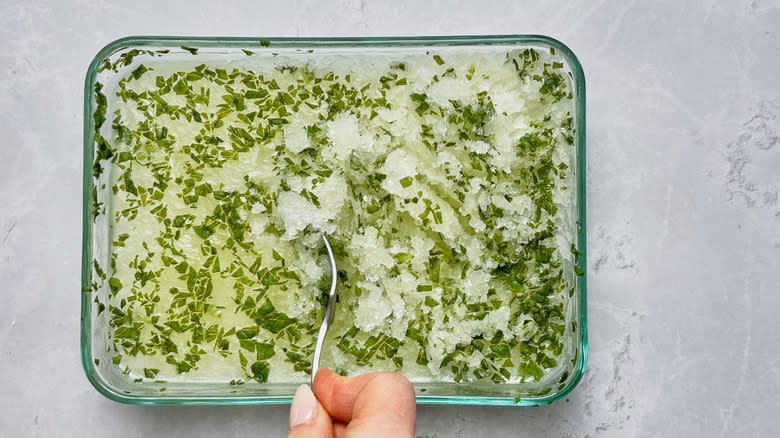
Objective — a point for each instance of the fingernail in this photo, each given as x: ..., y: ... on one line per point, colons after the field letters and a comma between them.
x: 303, y: 408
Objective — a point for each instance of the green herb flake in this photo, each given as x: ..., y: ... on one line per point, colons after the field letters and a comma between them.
x: 260, y: 371
x: 139, y: 71
x: 115, y: 285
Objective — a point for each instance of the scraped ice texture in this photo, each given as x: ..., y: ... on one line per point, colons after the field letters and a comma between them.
x: 373, y: 309
x: 399, y: 165
x: 447, y: 89
x: 478, y: 147
x: 297, y: 212
x: 420, y: 249
x: 296, y: 139
x: 344, y: 133
x: 371, y: 254
x: 389, y: 141
x: 310, y: 265
x: 475, y: 285
x: 396, y: 290
x: 450, y: 164
x: 515, y: 222
x: 332, y: 194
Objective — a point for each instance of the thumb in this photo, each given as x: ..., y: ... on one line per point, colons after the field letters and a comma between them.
x: 308, y: 419
x: 375, y: 405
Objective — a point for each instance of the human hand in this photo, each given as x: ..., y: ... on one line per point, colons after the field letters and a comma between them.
x: 373, y: 405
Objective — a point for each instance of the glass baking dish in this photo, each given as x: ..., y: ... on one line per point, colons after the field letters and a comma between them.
x: 108, y: 378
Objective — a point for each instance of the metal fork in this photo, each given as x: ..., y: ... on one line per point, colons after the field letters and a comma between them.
x: 327, y: 318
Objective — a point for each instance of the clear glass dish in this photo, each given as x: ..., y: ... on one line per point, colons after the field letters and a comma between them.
x: 108, y: 379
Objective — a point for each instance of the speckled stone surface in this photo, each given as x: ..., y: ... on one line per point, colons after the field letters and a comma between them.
x: 683, y: 212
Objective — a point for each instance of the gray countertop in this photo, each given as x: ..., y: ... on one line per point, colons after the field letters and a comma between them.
x: 683, y: 217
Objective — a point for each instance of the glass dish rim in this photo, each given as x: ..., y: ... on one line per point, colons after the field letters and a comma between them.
x: 326, y: 42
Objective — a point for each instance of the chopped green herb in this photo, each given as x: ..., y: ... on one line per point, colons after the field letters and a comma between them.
x: 260, y: 371
x: 220, y: 179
